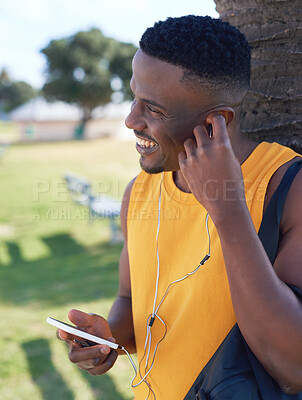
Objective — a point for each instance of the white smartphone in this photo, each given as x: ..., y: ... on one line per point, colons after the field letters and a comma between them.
x: 75, y: 331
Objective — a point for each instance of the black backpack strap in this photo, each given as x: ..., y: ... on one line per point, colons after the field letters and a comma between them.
x: 269, y: 228
x: 269, y: 235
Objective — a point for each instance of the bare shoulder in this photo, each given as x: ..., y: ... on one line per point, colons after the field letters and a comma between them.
x: 276, y: 179
x: 288, y: 263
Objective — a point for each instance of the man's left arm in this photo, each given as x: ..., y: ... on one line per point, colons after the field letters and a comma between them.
x: 267, y: 311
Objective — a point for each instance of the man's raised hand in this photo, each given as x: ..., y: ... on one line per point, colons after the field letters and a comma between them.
x: 211, y: 169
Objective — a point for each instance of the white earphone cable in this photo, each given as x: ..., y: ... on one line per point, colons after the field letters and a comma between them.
x: 157, y: 252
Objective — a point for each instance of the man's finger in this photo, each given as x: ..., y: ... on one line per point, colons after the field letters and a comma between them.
x: 79, y: 354
x: 91, y: 323
x: 181, y: 158
x: 80, y: 318
x: 105, y: 366
x: 220, y: 132
x: 189, y: 146
x: 201, y: 135
x: 64, y: 336
x: 61, y: 335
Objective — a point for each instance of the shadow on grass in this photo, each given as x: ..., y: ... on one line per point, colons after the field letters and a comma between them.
x: 43, y: 371
x: 60, y: 245
x: 102, y: 387
x: 14, y: 251
x: 51, y: 384
x: 72, y: 273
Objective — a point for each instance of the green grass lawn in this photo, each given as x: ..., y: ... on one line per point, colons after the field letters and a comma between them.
x: 53, y: 259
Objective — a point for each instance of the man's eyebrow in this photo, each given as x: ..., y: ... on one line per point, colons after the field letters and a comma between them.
x: 153, y: 103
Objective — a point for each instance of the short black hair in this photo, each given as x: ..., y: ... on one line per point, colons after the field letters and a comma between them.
x: 206, y: 48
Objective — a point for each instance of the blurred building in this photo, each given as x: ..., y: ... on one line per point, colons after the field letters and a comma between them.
x: 39, y: 120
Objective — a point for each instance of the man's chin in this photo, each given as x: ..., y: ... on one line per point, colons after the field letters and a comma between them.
x: 152, y: 169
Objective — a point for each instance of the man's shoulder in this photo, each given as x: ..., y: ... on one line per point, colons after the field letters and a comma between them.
x: 277, y: 178
x: 288, y: 262
x: 292, y: 212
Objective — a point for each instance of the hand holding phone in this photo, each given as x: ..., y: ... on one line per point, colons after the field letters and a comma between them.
x: 89, y: 351
x: 82, y: 334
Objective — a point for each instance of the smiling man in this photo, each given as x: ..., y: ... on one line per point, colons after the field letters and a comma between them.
x: 188, y: 275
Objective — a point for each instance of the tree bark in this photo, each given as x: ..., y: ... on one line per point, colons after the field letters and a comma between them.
x: 272, y: 109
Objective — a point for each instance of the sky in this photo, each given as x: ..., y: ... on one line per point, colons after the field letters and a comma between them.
x: 27, y: 26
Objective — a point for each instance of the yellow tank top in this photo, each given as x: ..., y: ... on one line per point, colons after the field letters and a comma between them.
x: 198, y: 311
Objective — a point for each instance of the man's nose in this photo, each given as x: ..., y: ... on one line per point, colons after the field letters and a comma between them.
x: 135, y: 119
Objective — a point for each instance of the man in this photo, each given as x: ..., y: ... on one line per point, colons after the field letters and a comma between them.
x: 190, y: 77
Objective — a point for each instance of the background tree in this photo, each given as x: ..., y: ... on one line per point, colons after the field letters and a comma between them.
x: 13, y: 93
x: 121, y: 65
x: 272, y: 110
x: 80, y: 69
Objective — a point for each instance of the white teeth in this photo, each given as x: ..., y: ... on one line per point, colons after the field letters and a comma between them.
x: 145, y: 143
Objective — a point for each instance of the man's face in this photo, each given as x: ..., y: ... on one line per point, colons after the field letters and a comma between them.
x: 163, y: 113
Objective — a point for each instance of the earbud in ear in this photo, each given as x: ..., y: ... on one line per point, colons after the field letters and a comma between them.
x: 210, y: 131
x: 228, y: 114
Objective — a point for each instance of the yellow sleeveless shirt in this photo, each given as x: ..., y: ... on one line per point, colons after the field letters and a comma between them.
x: 198, y: 311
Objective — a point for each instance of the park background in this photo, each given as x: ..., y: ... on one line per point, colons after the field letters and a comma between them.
x: 52, y: 256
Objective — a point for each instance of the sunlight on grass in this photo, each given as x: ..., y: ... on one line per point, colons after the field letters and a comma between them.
x: 52, y: 258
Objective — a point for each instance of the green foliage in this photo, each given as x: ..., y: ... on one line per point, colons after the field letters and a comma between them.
x: 80, y: 69
x: 121, y: 65
x: 13, y: 93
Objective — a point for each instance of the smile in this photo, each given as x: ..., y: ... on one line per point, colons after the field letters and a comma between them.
x: 145, y: 143
x: 146, y: 146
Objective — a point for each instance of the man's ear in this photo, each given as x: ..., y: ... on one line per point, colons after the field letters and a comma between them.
x: 227, y: 112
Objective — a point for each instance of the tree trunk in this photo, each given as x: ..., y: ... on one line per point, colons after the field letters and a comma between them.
x: 272, y: 110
